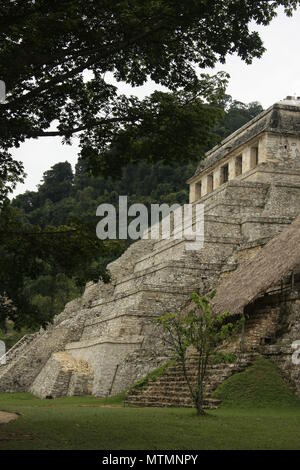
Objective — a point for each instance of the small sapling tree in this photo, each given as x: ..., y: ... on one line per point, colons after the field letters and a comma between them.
x: 198, y: 328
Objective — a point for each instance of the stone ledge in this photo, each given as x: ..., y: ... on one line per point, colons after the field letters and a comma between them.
x: 105, y: 340
x: 173, y: 243
x: 259, y: 242
x: 237, y: 183
x: 267, y: 220
x: 276, y: 169
x: 242, y: 203
x: 287, y: 185
x: 173, y: 264
x: 149, y: 288
x: 103, y: 319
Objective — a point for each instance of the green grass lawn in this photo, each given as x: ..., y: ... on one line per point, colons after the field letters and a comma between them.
x: 259, y: 412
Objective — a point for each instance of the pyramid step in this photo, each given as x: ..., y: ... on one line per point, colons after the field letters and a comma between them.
x: 171, y: 389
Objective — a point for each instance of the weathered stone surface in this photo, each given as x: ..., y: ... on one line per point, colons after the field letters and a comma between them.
x: 63, y: 375
x: 281, y: 122
x: 272, y: 324
x: 281, y: 352
x: 171, y: 388
x: 111, y: 329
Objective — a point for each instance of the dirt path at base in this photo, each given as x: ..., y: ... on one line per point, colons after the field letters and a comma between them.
x: 6, y: 417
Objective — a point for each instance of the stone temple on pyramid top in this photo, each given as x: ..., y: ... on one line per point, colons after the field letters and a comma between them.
x: 107, y: 340
x: 260, y: 151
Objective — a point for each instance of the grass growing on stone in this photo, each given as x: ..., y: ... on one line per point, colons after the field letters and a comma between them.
x: 221, y: 357
x: 152, y: 376
x: 258, y: 419
x: 260, y: 385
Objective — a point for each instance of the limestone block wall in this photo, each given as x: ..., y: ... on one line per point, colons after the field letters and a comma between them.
x: 266, y: 151
x: 272, y: 325
x: 63, y: 375
x: 176, y: 273
x: 281, y: 352
x: 261, y: 326
x: 112, y: 328
x: 244, y: 192
x: 272, y: 173
x: 106, y: 343
x: 217, y: 249
x: 104, y: 355
x: 254, y: 228
x: 20, y: 374
x: 284, y: 199
x: 95, y: 293
x: 124, y: 265
x: 135, y: 366
x: 282, y: 149
x: 123, y: 325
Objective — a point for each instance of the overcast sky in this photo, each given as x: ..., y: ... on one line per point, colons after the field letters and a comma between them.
x: 267, y: 80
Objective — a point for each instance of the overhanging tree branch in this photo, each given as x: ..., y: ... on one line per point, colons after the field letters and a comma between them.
x: 11, y: 105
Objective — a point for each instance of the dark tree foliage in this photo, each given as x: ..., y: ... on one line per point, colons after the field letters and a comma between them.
x: 171, y: 128
x: 57, y: 182
x: 143, y: 182
x: 55, y: 55
x: 18, y: 259
x: 237, y: 114
x: 29, y: 253
x: 11, y: 173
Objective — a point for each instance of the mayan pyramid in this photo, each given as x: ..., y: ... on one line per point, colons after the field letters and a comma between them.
x: 105, y: 341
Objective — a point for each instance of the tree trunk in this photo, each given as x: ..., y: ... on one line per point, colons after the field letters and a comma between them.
x: 199, y: 408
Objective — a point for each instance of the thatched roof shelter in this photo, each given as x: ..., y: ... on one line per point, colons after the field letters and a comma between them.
x: 276, y: 260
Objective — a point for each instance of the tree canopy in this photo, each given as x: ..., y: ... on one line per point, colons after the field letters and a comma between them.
x: 38, y: 264
x: 55, y: 58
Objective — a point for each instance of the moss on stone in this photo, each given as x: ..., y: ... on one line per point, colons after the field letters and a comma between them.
x: 260, y: 385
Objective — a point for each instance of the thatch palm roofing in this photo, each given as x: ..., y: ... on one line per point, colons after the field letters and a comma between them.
x: 252, y: 278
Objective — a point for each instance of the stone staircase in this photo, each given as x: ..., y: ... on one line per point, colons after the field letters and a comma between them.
x: 263, y: 334
x: 29, y: 357
x: 111, y: 327
x: 171, y: 389
x: 17, y: 349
